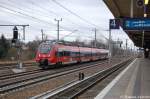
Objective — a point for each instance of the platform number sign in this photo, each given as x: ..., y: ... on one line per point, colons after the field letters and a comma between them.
x: 114, y: 23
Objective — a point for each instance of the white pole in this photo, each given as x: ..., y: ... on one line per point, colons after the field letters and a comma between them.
x: 131, y: 9
x: 110, y: 51
x: 58, y: 29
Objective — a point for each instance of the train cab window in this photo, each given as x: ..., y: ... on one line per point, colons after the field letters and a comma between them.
x: 44, y: 48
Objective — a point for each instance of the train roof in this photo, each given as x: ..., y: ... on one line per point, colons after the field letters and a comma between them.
x: 69, y: 46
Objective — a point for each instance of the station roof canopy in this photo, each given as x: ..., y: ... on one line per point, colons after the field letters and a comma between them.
x: 122, y: 9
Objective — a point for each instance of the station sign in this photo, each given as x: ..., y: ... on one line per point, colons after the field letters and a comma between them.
x: 136, y: 24
x: 114, y: 23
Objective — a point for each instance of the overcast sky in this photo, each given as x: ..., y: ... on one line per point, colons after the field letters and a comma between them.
x: 78, y: 16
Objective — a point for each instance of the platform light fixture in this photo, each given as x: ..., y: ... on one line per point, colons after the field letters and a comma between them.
x: 145, y: 15
x: 146, y: 2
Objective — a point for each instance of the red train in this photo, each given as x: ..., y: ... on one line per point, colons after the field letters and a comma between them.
x: 50, y: 53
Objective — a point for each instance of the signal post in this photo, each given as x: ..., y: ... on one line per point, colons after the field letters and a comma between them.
x: 16, y: 43
x: 113, y: 24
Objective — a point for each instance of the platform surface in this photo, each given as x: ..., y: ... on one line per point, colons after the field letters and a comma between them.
x: 132, y: 83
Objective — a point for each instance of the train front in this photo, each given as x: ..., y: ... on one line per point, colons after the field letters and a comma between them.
x: 43, y: 56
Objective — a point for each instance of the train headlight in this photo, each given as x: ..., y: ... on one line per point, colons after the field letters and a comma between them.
x: 39, y: 55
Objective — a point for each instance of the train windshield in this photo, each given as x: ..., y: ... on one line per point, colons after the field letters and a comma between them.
x: 44, y: 48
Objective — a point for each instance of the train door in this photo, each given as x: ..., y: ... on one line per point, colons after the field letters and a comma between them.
x: 58, y: 56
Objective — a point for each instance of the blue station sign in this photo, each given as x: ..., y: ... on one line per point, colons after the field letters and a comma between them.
x: 136, y: 24
x: 114, y: 23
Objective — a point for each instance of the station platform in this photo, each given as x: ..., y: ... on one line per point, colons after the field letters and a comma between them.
x: 132, y: 83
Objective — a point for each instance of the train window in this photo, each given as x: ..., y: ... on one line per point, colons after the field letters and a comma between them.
x: 94, y: 54
x: 73, y: 54
x: 81, y: 54
x: 77, y: 54
x: 66, y: 53
x: 59, y: 54
x: 86, y: 54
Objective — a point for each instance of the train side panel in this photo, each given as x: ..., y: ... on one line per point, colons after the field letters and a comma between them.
x: 61, y: 54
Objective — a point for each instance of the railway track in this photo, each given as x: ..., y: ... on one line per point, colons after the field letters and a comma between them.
x: 13, y: 75
x: 22, y: 81
x: 8, y: 76
x: 14, y: 65
x: 75, y: 88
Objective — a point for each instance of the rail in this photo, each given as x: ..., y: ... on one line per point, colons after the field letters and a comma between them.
x: 73, y: 89
x: 34, y: 79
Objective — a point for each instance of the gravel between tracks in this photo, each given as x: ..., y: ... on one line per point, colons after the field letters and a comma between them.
x: 8, y: 71
x: 53, y: 83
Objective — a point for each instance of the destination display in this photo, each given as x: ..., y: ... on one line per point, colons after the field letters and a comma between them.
x: 136, y: 24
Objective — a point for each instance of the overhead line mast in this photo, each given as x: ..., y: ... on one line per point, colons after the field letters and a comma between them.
x: 58, y: 20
